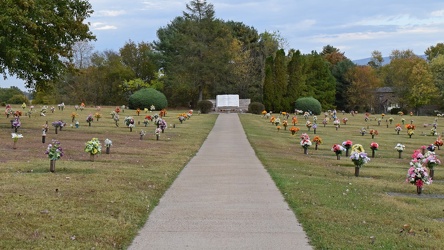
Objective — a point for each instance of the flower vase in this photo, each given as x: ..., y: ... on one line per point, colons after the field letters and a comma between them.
x: 52, y: 165
x: 15, y: 129
x: 181, y: 121
x: 418, y: 190
x: 432, y: 173
x: 338, y: 156
x: 163, y: 130
x: 131, y: 129
x: 107, y: 150
x: 397, y: 132
x: 89, y: 124
x: 336, y: 127
x: 400, y: 153
x: 410, y: 136
x: 362, y: 133
x: 141, y: 137
x: 356, y: 171
x: 305, y: 151
x: 387, y: 126
x: 373, y: 136
x: 43, y: 139
x: 346, y: 152
x: 56, y: 130
x: 293, y: 132
x: 174, y: 125
x: 316, y: 146
x: 314, y: 131
x: 91, y: 157
x: 157, y: 137
x: 72, y: 120
x: 437, y: 147
x: 373, y: 153
x: 14, y: 146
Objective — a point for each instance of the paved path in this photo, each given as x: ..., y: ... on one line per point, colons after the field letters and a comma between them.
x: 223, y: 199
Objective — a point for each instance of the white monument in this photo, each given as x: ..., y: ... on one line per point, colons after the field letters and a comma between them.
x: 227, y: 102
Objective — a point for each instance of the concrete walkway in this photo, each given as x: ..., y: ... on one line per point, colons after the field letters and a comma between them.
x: 223, y: 199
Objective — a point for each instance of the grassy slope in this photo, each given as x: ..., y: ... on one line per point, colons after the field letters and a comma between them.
x: 339, y: 210
x: 85, y: 204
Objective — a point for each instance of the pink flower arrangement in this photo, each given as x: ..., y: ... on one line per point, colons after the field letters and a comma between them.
x: 374, y: 146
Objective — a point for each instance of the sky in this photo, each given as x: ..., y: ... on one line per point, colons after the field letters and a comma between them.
x: 354, y: 27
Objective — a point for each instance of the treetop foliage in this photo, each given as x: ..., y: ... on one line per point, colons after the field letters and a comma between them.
x: 36, y: 37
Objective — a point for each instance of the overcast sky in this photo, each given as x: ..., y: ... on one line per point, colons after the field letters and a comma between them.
x: 355, y: 27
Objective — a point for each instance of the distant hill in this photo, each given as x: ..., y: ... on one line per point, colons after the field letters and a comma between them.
x: 386, y: 60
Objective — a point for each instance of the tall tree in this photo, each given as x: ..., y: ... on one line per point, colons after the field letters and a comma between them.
x: 434, y: 51
x: 333, y: 55
x: 376, y: 60
x: 422, y: 89
x: 360, y: 94
x: 139, y: 58
x: 36, y: 37
x: 269, y: 89
x: 339, y: 71
x: 296, y: 78
x: 437, y: 69
x: 280, y: 82
x: 195, y: 48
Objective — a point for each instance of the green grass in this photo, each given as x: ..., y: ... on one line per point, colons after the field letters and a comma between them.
x: 341, y: 211
x: 84, y: 204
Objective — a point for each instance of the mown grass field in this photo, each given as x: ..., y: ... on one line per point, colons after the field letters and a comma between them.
x: 378, y: 209
x: 84, y: 204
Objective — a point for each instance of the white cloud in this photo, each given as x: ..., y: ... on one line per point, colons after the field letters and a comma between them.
x: 102, y: 26
x: 110, y: 13
x: 438, y: 13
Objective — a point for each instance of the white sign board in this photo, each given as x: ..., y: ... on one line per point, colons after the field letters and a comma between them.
x: 227, y: 101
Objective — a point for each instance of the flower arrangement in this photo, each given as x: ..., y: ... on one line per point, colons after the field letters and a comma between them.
x: 157, y: 133
x: 430, y: 160
x: 285, y: 124
x: 142, y: 134
x: 336, y: 122
x: 359, y: 158
x: 347, y: 145
x: 15, y: 138
x: 129, y: 120
x: 117, y: 110
x: 73, y: 116
x: 398, y: 128
x: 294, y: 130
x: 391, y: 120
x: 431, y: 147
x: 264, y: 112
x: 400, y: 113
x: 345, y: 120
x: 399, y: 147
x: 308, y: 124
x: 337, y: 149
x: 410, y: 126
x: 97, y: 115
x: 89, y: 119
x: 272, y: 119
x: 108, y: 143
x: 418, y: 175
x: 54, y: 150
x: 16, y: 123
x: 374, y: 146
x: 138, y: 111
x: 93, y: 147
x: 163, y: 113
x: 305, y: 142
x: 317, y: 141
x: 294, y: 120
x: 373, y: 132
x: 362, y: 131
x: 410, y: 129
x: 277, y: 121
x: 325, y: 121
x: 438, y: 143
x: 358, y: 148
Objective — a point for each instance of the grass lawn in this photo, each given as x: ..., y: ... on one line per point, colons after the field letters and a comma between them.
x: 378, y: 209
x: 85, y: 204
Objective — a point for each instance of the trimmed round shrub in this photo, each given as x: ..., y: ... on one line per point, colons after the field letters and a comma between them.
x: 205, y: 106
x: 256, y: 108
x: 395, y: 111
x: 308, y: 104
x: 144, y: 98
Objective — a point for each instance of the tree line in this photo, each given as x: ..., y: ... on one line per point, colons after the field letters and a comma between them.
x: 197, y: 56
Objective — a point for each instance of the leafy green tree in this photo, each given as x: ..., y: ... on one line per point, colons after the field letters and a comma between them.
x: 339, y: 71
x: 437, y: 69
x: 269, y: 90
x: 296, y: 78
x: 422, y: 88
x: 195, y: 50
x: 139, y: 58
x: 280, y: 82
x: 7, y: 93
x: 376, y: 60
x: 36, y: 37
x: 320, y: 82
x: 434, y: 51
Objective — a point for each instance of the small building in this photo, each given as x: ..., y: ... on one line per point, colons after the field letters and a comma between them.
x: 385, y: 100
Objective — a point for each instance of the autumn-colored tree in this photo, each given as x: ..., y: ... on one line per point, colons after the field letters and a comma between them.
x: 333, y: 55
x: 360, y: 94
